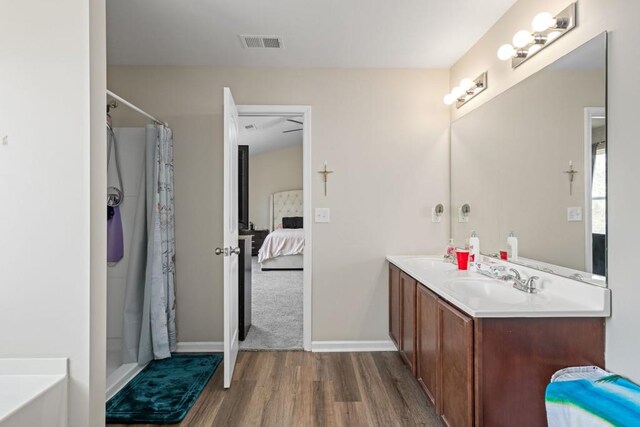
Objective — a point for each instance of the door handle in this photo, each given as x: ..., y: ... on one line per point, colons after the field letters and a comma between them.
x: 227, y: 251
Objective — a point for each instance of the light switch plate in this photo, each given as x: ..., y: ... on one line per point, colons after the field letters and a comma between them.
x: 323, y: 215
x: 574, y: 214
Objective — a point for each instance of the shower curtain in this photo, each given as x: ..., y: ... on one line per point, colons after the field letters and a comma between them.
x: 149, y: 314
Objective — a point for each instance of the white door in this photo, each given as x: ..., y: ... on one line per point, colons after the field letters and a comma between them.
x: 230, y: 249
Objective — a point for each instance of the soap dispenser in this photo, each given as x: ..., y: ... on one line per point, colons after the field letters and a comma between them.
x: 451, y: 250
x: 474, y: 247
x: 512, y: 247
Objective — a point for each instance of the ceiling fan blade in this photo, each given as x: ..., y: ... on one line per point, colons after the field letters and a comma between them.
x: 292, y: 130
x: 295, y: 121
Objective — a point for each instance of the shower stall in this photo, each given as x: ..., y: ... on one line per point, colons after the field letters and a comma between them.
x: 140, y: 245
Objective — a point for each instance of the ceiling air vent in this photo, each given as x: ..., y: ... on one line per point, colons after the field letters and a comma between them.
x: 262, y: 42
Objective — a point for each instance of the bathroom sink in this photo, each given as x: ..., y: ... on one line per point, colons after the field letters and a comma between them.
x: 487, y: 289
x: 436, y: 264
x: 485, y: 297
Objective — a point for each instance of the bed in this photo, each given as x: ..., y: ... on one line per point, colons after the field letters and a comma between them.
x: 283, y: 248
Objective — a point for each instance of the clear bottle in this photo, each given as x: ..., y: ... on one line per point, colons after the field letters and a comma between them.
x: 474, y: 248
x: 512, y: 247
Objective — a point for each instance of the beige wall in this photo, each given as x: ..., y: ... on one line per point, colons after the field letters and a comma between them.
x: 507, y: 163
x: 619, y: 17
x: 384, y: 132
x: 52, y: 268
x: 270, y: 172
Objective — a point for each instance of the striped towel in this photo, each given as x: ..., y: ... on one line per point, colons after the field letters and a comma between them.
x: 589, y: 397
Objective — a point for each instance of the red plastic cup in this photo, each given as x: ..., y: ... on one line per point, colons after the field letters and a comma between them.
x: 463, y: 259
x: 503, y: 255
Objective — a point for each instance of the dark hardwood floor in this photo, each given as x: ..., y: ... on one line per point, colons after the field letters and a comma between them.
x: 297, y: 388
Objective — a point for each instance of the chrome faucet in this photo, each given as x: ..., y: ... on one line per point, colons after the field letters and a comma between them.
x: 528, y: 285
x: 494, y: 272
x: 515, y: 275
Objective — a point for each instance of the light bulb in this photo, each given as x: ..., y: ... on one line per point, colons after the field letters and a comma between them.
x: 553, y: 35
x: 449, y: 99
x: 457, y: 92
x: 505, y: 52
x: 467, y: 84
x: 533, y: 49
x: 542, y: 22
x: 522, y: 38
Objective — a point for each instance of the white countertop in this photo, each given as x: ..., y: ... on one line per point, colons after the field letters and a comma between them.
x: 480, y: 296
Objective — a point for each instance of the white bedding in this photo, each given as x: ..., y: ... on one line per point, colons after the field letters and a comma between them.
x: 284, y: 241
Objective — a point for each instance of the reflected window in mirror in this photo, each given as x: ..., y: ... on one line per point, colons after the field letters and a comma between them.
x: 599, y: 195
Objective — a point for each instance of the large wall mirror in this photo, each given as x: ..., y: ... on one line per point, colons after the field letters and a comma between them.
x: 511, y: 162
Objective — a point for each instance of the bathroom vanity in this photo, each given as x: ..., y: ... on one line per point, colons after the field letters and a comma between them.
x: 482, y: 351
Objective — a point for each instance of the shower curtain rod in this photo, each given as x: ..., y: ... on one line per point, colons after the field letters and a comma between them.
x: 133, y: 107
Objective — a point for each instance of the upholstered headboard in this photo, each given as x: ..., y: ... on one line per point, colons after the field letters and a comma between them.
x: 284, y: 204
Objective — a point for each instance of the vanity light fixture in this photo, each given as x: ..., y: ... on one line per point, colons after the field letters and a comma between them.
x: 546, y: 29
x: 466, y: 90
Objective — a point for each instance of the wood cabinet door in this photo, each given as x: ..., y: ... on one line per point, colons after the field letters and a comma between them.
x: 455, y: 376
x: 394, y: 305
x: 408, y: 313
x: 427, y: 363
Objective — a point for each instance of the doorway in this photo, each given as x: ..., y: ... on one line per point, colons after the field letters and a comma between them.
x: 290, y: 120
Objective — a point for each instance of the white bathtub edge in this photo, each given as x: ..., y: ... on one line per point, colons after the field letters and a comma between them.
x: 34, y: 366
x: 34, y: 398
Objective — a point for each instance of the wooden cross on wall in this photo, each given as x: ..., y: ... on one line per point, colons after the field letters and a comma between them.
x: 325, y: 173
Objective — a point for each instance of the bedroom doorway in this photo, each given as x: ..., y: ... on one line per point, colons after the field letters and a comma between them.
x: 275, y: 214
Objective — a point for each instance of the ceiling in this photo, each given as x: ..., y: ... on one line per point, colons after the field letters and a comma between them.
x: 269, y: 133
x: 317, y: 33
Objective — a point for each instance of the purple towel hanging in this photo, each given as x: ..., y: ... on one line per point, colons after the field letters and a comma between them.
x: 115, y: 242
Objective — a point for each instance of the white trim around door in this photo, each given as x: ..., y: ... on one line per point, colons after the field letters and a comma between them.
x: 307, y: 173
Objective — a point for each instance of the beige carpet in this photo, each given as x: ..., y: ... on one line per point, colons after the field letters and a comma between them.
x: 276, y: 312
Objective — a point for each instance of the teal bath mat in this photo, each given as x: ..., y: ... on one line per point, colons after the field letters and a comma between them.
x: 164, y: 391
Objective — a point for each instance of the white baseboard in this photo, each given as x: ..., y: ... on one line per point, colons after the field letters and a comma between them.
x: 316, y: 346
x: 200, y: 347
x: 121, y: 377
x: 341, y: 346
